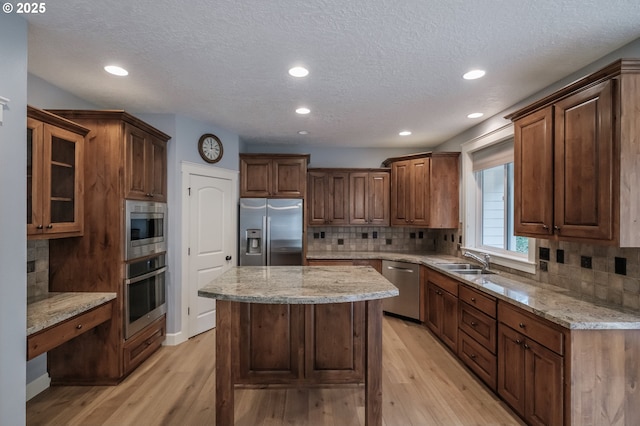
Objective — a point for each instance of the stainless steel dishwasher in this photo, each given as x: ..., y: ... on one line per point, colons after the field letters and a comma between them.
x: 405, y: 276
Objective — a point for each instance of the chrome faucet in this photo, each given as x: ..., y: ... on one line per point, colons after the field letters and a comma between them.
x: 486, y: 262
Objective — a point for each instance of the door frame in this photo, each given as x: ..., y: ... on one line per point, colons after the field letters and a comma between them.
x: 187, y: 169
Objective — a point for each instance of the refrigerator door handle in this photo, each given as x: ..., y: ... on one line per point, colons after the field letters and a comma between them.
x: 266, y: 224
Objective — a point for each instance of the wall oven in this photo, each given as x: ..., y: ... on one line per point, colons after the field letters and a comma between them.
x: 145, y: 228
x: 145, y: 298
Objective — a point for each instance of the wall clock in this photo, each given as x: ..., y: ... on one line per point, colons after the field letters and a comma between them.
x: 210, y: 148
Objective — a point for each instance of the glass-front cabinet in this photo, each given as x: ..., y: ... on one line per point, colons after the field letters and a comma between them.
x: 55, y: 184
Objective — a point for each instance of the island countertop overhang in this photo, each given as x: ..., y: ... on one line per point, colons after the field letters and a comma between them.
x: 299, y: 285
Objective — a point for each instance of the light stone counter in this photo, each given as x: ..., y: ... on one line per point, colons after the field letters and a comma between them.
x: 553, y: 303
x: 54, y: 308
x: 299, y: 285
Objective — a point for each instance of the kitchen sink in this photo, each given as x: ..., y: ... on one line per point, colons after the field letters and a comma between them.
x: 474, y: 271
x: 459, y: 266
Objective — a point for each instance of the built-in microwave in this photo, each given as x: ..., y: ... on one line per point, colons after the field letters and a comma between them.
x: 144, y: 294
x: 145, y: 228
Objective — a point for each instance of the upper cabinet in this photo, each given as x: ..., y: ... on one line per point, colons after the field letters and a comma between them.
x: 369, y: 198
x: 146, y: 165
x: 425, y: 190
x: 328, y: 197
x: 273, y: 175
x: 575, y: 160
x: 55, y: 176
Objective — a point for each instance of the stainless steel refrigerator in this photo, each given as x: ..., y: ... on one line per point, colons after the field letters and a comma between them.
x: 270, y: 232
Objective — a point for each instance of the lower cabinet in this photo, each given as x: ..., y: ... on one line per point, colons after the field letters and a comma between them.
x: 285, y: 344
x: 441, y: 310
x: 530, y: 375
x: 143, y: 344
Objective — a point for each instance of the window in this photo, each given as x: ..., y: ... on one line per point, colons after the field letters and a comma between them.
x: 487, y: 167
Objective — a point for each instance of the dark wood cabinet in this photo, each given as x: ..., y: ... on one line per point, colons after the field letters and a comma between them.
x: 55, y: 176
x: 96, y: 262
x: 531, y: 374
x: 273, y: 175
x: 573, y: 160
x: 146, y: 165
x: 441, y: 310
x: 369, y: 198
x: 425, y: 190
x: 328, y: 197
x: 300, y: 344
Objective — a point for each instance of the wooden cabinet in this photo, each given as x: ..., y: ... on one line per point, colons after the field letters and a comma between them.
x: 441, y: 310
x: 146, y: 165
x: 425, y: 190
x: 573, y: 160
x: 55, y: 176
x: 273, y: 175
x: 312, y: 344
x: 117, y: 141
x: 328, y: 197
x: 369, y: 198
x: 531, y: 366
x: 477, y: 335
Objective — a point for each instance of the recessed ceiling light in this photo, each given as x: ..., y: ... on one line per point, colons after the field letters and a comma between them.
x: 303, y: 132
x: 473, y: 74
x: 404, y: 133
x: 116, y: 70
x: 299, y: 72
x: 475, y: 115
x: 303, y: 110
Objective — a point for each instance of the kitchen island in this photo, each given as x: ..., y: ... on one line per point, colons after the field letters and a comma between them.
x: 299, y: 326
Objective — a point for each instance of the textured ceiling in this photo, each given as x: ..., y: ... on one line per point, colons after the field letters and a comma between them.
x: 376, y: 66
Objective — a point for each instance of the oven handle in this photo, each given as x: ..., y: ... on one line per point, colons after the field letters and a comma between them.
x: 145, y: 276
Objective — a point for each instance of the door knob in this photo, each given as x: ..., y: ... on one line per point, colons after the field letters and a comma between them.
x: 228, y: 258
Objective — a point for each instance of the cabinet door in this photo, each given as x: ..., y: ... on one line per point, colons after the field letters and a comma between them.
x: 289, y: 177
x: 450, y: 321
x: 333, y: 347
x: 511, y: 368
x: 255, y: 177
x: 136, y: 173
x: 533, y: 174
x: 583, y: 163
x: 400, y: 192
x: 157, y: 169
x: 544, y: 390
x: 35, y: 169
x: 358, y: 204
x: 442, y: 198
x: 418, y: 203
x: 433, y: 310
x: 378, y: 195
x: 337, y: 198
x: 317, y: 211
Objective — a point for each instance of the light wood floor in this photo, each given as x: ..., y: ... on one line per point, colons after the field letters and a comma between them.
x: 422, y: 385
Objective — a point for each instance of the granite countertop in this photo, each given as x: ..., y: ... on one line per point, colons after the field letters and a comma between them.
x: 53, y: 308
x: 556, y: 304
x: 299, y: 284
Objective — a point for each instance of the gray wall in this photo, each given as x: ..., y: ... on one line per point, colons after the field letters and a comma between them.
x: 13, y: 247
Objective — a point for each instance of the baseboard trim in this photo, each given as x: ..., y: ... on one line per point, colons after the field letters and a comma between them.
x: 40, y: 384
x: 174, y: 339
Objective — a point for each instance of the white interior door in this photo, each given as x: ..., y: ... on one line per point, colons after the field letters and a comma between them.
x: 212, y: 224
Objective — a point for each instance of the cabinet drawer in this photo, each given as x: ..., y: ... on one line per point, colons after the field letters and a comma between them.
x: 140, y: 347
x: 52, y: 337
x: 533, y: 327
x: 479, y: 326
x: 482, y: 362
x: 444, y: 282
x: 478, y: 300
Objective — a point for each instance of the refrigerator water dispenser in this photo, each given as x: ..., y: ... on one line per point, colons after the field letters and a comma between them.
x: 254, y: 241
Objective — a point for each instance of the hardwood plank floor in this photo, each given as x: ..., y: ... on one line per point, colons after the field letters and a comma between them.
x: 423, y: 384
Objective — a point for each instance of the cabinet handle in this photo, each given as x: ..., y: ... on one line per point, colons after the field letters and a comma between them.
x: 557, y: 228
x: 49, y: 226
x: 411, y: 221
x: 473, y: 323
x: 79, y: 326
x: 518, y: 341
x: 522, y: 325
x: 39, y: 227
x: 545, y: 226
x: 473, y: 299
x: 525, y: 346
x: 472, y: 356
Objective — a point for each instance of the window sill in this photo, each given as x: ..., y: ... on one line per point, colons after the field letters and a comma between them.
x: 502, y: 259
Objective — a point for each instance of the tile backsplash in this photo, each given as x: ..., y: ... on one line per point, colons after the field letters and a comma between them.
x: 369, y: 238
x: 37, y: 267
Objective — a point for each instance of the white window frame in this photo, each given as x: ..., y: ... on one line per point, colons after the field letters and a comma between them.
x: 471, y: 208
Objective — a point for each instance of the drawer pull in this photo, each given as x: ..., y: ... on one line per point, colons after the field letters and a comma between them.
x: 473, y: 323
x: 518, y: 341
x: 525, y: 346
x: 473, y: 299
x: 472, y: 356
x: 79, y: 326
x: 521, y: 325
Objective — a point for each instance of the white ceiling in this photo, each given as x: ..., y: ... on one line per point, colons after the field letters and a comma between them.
x: 376, y: 66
